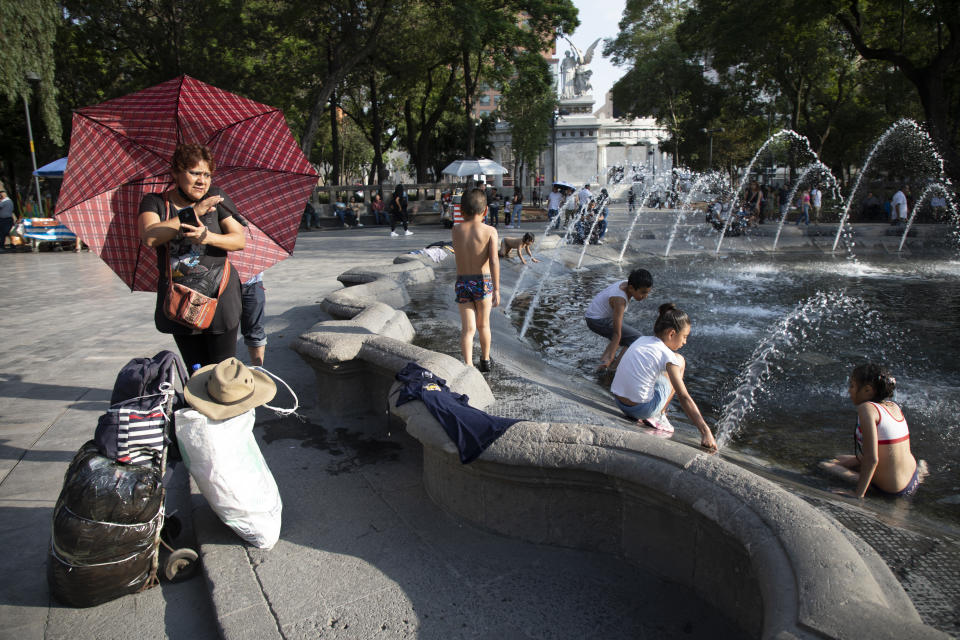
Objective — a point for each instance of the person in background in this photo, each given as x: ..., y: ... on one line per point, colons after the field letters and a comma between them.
x: 804, y: 208
x: 311, y: 219
x: 377, y: 209
x: 754, y: 205
x: 816, y: 200
x: 7, y: 217
x: 898, y: 206
x: 872, y: 209
x: 554, y: 201
x: 517, y: 202
x: 398, y: 211
x: 493, y: 206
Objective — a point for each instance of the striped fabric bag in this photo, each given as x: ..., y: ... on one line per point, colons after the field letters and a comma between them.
x: 145, y: 395
x: 137, y: 428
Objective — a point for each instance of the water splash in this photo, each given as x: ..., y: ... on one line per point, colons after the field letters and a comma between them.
x: 526, y: 266
x: 945, y: 191
x: 903, y: 124
x: 645, y: 194
x: 791, y: 331
x: 601, y: 202
x: 710, y: 177
x: 546, y: 272
x: 746, y: 175
x: 817, y: 165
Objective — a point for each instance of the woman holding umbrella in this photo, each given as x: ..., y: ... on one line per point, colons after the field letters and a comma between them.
x: 203, y: 244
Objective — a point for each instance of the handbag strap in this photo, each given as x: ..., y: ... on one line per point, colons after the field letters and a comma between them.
x: 166, y: 246
x: 224, y: 279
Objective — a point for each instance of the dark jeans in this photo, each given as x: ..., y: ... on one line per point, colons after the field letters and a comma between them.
x: 206, y: 348
x: 6, y: 224
x: 494, y: 215
x: 251, y: 314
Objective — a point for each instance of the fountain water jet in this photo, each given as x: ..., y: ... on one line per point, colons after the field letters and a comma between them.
x: 600, y: 203
x: 714, y: 176
x: 904, y: 123
x: 790, y: 331
x: 793, y: 192
x: 645, y: 194
x: 536, y: 296
x: 933, y: 186
x: 746, y: 176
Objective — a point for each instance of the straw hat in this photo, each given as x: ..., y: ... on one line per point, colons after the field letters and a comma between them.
x: 224, y: 390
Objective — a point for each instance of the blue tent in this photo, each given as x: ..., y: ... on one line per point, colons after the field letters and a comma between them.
x: 53, y: 170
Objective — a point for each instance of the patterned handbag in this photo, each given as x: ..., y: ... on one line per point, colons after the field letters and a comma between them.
x: 188, y: 301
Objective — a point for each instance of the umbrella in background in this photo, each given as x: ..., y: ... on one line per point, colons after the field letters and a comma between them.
x: 474, y: 167
x: 564, y: 185
x: 54, y: 169
x: 122, y: 149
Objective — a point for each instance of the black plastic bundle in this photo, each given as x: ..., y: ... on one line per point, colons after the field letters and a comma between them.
x: 105, y: 530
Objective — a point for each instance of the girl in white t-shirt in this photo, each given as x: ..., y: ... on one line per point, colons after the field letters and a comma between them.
x: 651, y: 372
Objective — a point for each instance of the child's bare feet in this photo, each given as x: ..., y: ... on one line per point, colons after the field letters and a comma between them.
x: 833, y: 467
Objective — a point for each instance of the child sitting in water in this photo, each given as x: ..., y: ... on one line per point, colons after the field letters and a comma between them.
x: 651, y: 372
x: 478, y: 276
x: 882, y: 454
x: 509, y: 244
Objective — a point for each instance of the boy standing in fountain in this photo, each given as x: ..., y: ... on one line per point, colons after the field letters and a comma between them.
x: 605, y: 314
x: 478, y: 276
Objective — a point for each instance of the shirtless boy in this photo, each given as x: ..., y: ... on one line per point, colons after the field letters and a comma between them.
x: 507, y: 245
x: 478, y: 276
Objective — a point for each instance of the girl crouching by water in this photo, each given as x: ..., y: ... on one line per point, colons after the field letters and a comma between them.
x: 651, y: 372
x: 882, y: 454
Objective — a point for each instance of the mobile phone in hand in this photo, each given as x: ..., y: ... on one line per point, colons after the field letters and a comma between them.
x: 189, y: 216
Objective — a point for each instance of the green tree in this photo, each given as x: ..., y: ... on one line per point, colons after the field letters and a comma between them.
x: 28, y: 30
x: 489, y: 35
x: 922, y: 40
x: 663, y: 79
x: 528, y: 104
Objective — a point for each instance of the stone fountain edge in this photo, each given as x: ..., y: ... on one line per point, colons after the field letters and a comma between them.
x: 775, y: 564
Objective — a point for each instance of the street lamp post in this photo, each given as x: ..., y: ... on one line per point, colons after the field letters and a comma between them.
x: 33, y: 77
x: 710, y: 132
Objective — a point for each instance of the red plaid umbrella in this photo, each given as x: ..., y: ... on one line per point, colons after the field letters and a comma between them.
x: 122, y: 149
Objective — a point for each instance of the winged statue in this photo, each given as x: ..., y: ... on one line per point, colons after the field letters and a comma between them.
x: 574, y: 71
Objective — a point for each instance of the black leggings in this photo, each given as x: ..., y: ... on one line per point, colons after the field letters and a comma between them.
x: 206, y: 348
x: 398, y: 217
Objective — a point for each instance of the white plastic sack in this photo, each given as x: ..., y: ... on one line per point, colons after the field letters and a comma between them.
x: 224, y: 460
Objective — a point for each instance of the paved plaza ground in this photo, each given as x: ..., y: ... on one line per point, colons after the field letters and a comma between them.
x: 363, y: 552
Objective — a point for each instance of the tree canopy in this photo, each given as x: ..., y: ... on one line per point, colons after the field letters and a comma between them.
x: 838, y: 71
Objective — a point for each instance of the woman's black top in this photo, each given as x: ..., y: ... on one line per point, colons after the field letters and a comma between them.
x: 227, y: 316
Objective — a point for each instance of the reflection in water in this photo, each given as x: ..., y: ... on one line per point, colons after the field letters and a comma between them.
x: 909, y: 318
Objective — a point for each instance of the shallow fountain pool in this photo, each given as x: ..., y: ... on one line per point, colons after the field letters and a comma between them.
x: 905, y: 313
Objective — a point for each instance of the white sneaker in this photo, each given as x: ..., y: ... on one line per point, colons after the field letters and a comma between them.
x: 408, y: 233
x: 359, y: 225
x: 660, y: 423
x: 394, y: 234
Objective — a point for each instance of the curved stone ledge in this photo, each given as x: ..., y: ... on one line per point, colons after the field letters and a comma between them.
x: 777, y: 566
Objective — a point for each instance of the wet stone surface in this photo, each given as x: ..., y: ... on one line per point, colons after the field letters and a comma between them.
x: 927, y: 566
x: 536, y: 384
x: 349, y: 451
